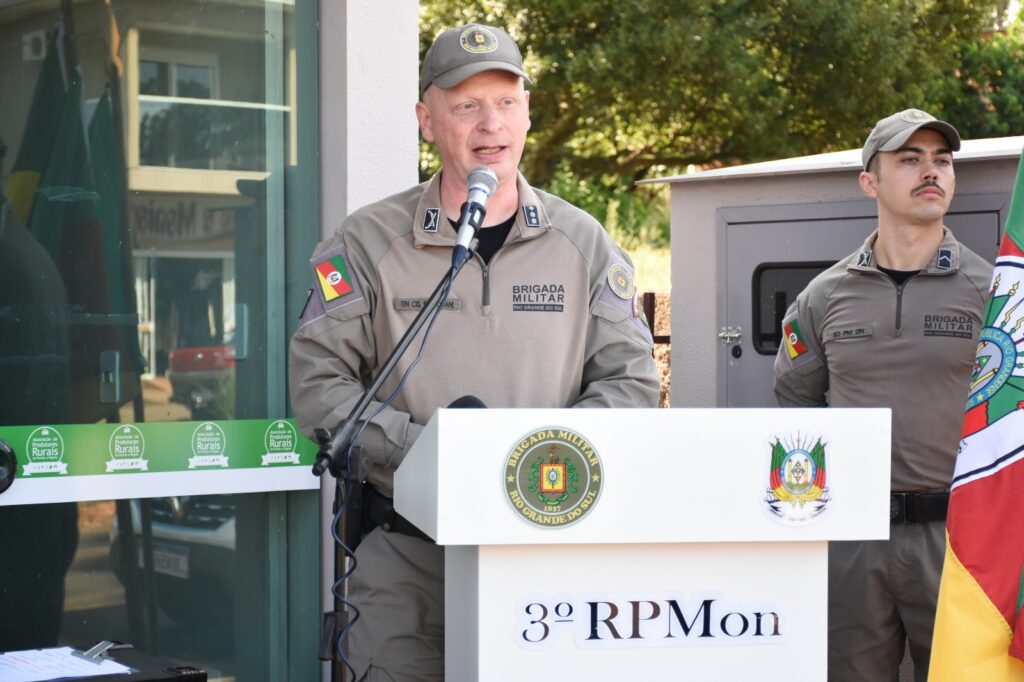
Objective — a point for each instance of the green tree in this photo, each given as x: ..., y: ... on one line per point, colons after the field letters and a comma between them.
x: 984, y: 95
x: 621, y: 87
x: 627, y: 89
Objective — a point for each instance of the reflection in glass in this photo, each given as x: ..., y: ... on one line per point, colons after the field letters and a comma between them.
x: 135, y: 227
x: 192, y: 81
x: 153, y: 78
x: 212, y: 136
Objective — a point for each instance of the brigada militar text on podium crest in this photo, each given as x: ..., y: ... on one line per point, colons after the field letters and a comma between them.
x: 553, y: 477
x: 797, y: 480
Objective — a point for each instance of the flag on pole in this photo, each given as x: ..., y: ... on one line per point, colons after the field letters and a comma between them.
x: 979, y: 627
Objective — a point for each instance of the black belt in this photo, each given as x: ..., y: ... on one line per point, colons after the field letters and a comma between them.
x: 918, y: 507
x: 379, y: 510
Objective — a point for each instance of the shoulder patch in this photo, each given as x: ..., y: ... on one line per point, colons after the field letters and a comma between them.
x: 793, y: 339
x: 620, y: 292
x: 620, y: 281
x: 531, y: 214
x: 333, y: 281
x: 794, y: 346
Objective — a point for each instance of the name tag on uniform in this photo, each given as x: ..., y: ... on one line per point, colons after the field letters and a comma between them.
x: 417, y: 303
x: 860, y: 332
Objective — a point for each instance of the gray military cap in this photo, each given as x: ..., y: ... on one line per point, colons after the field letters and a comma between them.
x: 459, y: 53
x: 892, y: 132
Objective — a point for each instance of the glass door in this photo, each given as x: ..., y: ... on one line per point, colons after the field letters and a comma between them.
x: 157, y: 162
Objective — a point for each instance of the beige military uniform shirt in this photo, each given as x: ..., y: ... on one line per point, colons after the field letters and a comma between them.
x: 854, y: 338
x: 552, y: 321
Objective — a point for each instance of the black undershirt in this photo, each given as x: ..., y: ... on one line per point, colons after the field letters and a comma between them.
x: 898, y: 276
x: 490, y: 239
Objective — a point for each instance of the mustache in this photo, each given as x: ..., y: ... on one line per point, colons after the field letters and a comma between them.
x: 929, y: 183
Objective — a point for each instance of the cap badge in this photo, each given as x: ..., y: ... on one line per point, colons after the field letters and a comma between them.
x: 478, y: 39
x: 916, y: 116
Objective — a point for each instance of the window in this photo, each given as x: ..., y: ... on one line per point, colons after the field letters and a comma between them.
x: 187, y: 119
x: 775, y: 287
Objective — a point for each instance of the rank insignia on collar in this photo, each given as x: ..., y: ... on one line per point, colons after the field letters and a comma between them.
x: 945, y: 259
x: 864, y: 259
x: 430, y: 219
x: 532, y: 215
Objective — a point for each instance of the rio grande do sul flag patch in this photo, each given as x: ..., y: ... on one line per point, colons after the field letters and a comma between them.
x: 334, y: 278
x: 795, y: 345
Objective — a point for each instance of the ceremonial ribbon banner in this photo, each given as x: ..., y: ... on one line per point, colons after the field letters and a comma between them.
x: 979, y: 631
x: 77, y: 462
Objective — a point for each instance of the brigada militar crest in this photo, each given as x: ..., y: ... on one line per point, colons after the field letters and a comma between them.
x: 797, y: 481
x: 553, y: 477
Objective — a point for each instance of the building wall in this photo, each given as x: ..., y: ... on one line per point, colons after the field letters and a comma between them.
x: 369, y: 139
x: 369, y: 75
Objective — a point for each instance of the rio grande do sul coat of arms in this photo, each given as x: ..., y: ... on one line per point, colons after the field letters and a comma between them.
x: 797, y: 481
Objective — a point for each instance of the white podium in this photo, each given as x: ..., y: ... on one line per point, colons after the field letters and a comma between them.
x: 681, y: 544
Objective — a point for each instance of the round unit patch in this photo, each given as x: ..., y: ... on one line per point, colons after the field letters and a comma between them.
x: 553, y: 477
x: 478, y: 39
x: 620, y: 279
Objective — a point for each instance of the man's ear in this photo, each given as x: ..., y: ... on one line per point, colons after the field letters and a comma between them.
x: 869, y: 184
x: 423, y: 117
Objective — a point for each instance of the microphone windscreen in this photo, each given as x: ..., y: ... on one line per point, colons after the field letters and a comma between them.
x: 483, y: 175
x: 467, y: 401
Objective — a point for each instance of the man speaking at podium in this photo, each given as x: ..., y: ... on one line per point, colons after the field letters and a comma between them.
x: 544, y: 314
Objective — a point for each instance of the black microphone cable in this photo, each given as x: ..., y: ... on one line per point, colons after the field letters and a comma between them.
x: 348, y: 551
x: 336, y: 587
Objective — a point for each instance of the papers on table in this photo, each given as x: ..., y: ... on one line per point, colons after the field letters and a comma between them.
x: 39, y: 665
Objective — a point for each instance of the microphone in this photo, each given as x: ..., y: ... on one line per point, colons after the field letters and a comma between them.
x: 481, y: 184
x: 467, y: 401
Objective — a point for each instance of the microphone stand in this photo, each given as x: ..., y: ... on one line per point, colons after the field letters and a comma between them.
x: 333, y: 456
x: 329, y: 457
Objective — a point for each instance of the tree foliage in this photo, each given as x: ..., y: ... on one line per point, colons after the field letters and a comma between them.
x: 623, y: 89
x: 984, y: 95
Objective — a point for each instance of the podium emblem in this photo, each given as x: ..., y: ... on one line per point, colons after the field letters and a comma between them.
x: 553, y: 477
x: 797, y: 481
